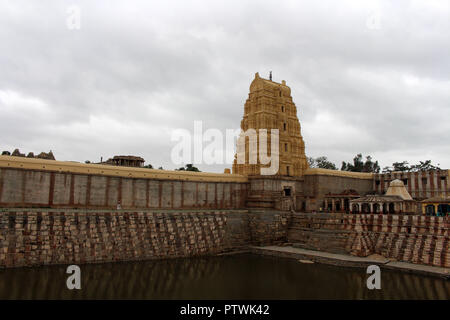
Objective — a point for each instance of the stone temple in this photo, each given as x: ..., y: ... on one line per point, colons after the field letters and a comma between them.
x: 270, y: 106
x: 61, y: 212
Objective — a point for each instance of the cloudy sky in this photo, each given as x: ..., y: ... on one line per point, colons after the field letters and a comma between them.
x: 366, y: 76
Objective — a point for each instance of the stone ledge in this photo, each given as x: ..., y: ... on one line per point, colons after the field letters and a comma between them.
x: 350, y: 261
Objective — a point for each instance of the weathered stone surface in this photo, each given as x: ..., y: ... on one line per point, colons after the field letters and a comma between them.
x: 416, y: 239
x: 29, y: 238
x: 41, y: 188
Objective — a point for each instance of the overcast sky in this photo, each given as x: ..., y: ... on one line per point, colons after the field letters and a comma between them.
x: 366, y: 76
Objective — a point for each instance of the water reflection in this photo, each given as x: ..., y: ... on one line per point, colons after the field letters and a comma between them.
x: 242, y: 276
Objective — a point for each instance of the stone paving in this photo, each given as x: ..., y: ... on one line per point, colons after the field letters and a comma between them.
x: 350, y: 261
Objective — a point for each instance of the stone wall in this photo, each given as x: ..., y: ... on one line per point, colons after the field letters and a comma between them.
x: 268, y: 227
x: 36, y: 188
x: 416, y: 239
x: 317, y: 185
x: 420, y: 185
x: 44, y: 237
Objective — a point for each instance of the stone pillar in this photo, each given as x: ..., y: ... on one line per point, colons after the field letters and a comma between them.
x: 371, y: 208
x: 333, y: 208
x: 326, y: 205
x: 342, y: 205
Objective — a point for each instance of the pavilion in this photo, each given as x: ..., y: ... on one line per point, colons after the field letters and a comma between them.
x: 395, y: 200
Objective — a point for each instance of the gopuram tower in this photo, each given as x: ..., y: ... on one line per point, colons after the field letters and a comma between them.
x: 270, y: 106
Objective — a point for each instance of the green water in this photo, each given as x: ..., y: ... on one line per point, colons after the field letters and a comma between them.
x: 243, y: 276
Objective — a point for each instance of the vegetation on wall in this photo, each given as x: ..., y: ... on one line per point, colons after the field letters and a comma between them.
x: 359, y: 165
x: 321, y: 162
x: 188, y: 167
x: 369, y: 165
x: 405, y: 167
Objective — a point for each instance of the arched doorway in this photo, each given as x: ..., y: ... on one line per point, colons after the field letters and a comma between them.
x: 346, y: 205
x: 391, y: 208
x: 365, y: 208
x: 376, y: 208
x: 355, y: 208
x: 338, y: 206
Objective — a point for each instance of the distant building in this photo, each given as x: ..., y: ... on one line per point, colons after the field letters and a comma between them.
x: 126, y: 161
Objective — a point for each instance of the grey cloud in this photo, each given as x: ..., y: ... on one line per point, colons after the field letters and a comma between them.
x: 137, y: 70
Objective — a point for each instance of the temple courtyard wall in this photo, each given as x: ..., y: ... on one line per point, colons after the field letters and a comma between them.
x: 54, y: 184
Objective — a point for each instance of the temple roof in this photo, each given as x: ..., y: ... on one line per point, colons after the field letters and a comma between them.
x: 438, y: 199
x: 397, y: 188
x: 128, y: 158
x: 377, y: 198
x: 259, y: 83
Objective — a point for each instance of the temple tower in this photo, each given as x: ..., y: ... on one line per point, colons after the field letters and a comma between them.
x: 270, y: 106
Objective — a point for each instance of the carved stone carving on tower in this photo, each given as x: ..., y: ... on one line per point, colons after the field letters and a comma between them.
x: 270, y: 106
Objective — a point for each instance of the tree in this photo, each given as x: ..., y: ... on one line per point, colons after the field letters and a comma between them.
x: 321, y: 162
x: 424, y: 166
x: 404, y: 167
x: 401, y: 166
x: 188, y: 167
x: 387, y: 169
x: 361, y: 166
x: 149, y: 166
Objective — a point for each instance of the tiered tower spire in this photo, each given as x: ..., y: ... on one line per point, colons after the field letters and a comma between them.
x: 270, y: 106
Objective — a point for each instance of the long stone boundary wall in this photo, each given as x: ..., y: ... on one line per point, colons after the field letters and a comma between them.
x: 409, y: 238
x: 43, y: 237
x: 52, y: 189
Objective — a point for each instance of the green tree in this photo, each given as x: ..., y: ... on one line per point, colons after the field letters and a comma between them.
x: 424, y: 166
x: 359, y: 165
x: 149, y: 166
x: 321, y: 162
x: 401, y: 166
x: 188, y: 167
x: 404, y: 166
x: 387, y: 169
